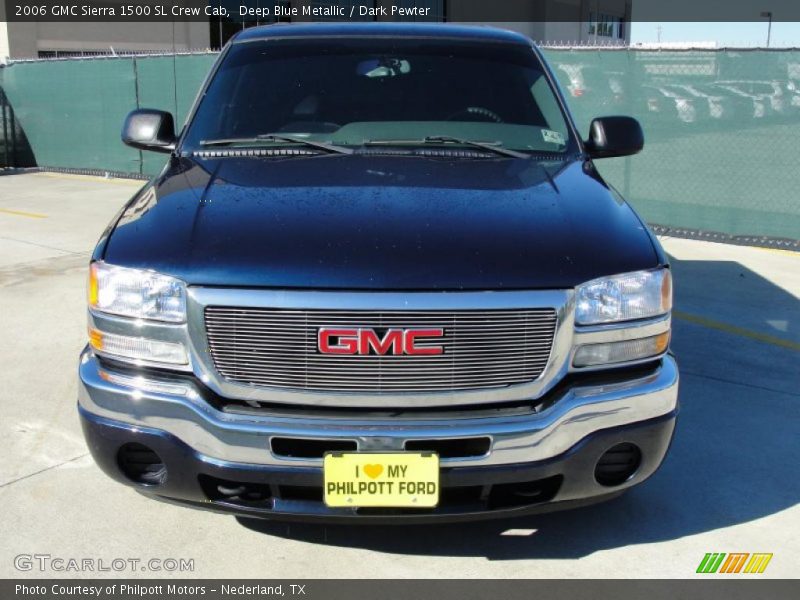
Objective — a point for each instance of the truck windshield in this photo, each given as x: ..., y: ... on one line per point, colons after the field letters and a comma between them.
x: 380, y: 91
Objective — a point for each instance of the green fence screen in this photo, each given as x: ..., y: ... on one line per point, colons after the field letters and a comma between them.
x: 71, y: 111
x: 721, y: 127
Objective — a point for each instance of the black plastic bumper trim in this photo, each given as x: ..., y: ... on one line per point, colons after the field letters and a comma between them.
x: 185, y: 466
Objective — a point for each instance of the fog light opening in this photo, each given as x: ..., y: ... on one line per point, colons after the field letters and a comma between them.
x: 618, y: 464
x: 141, y: 464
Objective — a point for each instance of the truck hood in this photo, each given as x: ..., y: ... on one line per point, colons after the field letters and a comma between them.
x: 380, y: 223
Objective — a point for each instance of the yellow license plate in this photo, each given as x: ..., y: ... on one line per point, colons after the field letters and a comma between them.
x: 391, y: 480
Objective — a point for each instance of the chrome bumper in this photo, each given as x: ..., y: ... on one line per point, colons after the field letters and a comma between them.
x: 180, y: 409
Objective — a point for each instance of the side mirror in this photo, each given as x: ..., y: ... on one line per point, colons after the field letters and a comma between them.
x: 148, y: 129
x: 614, y: 136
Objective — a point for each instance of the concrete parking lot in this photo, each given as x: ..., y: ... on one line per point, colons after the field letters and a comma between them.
x: 729, y: 484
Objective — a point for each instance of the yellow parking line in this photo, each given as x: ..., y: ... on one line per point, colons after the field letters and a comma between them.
x: 22, y: 213
x: 794, y: 253
x: 80, y: 177
x: 733, y: 329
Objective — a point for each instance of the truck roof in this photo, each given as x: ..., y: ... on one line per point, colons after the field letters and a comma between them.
x: 412, y: 30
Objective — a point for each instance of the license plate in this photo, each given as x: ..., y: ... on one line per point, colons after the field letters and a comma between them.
x: 390, y: 480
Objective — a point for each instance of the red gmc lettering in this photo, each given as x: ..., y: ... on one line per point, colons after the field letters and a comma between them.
x: 411, y: 336
x: 347, y: 341
x: 369, y: 339
x: 365, y: 341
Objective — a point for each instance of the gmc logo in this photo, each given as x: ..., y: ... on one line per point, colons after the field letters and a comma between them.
x: 367, y: 341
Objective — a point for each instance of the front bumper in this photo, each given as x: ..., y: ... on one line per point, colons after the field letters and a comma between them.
x: 540, y: 458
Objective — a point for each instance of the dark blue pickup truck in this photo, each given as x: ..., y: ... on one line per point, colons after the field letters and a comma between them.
x: 379, y: 279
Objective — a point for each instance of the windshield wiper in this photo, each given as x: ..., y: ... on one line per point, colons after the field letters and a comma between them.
x: 495, y: 147
x: 276, y: 137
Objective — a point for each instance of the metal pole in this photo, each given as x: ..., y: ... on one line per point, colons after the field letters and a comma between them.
x: 136, y: 91
x: 5, y: 129
x: 768, y: 15
x: 769, y: 29
x: 174, y: 74
x: 13, y: 127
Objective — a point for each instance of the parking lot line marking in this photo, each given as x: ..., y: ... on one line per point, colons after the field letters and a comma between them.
x: 40, y: 471
x: 794, y: 253
x: 22, y: 213
x: 733, y: 329
x: 98, y: 178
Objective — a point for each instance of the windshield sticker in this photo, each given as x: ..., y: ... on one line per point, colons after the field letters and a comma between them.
x: 553, y: 137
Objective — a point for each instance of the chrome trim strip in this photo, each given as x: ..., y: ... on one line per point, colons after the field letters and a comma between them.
x: 619, y: 332
x: 360, y: 300
x: 516, y: 438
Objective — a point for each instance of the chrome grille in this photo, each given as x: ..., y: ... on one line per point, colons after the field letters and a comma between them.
x: 278, y: 348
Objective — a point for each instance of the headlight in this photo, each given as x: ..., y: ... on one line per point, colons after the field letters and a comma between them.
x: 136, y: 293
x: 624, y: 297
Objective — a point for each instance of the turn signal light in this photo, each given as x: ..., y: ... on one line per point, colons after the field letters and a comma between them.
x: 137, y: 349
x: 621, y: 352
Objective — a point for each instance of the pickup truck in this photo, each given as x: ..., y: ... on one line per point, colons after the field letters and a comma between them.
x: 379, y: 279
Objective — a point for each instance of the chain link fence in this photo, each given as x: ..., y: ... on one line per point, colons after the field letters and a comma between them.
x: 720, y: 130
x: 721, y: 126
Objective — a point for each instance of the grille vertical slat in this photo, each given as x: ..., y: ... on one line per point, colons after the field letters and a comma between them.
x: 278, y: 348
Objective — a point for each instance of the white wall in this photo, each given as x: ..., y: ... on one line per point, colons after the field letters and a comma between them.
x: 3, y: 40
x: 25, y: 40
